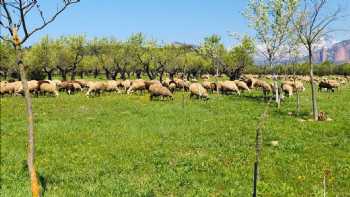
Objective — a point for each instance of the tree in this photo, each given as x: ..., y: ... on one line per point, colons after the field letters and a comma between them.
x: 7, y: 58
x: 271, y: 19
x: 14, y: 18
x: 239, y: 58
x: 97, y: 48
x: 76, y: 46
x: 62, y: 57
x: 146, y: 56
x: 311, y: 23
x: 214, y: 50
x: 41, y: 55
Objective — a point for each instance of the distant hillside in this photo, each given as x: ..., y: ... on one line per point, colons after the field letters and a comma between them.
x: 338, y: 53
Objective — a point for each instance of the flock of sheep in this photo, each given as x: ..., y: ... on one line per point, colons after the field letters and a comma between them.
x: 165, y: 89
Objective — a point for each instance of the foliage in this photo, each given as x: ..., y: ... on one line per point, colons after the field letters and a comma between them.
x: 7, y: 58
x: 271, y: 19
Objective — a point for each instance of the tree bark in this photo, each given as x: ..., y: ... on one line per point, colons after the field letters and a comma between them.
x: 122, y: 75
x: 31, y: 143
x: 171, y: 75
x: 74, y: 72
x: 96, y: 73
x: 81, y: 74
x: 114, y: 75
x: 49, y: 75
x: 107, y: 73
x: 138, y: 74
x: 5, y: 75
x: 161, y: 73
x: 313, y: 92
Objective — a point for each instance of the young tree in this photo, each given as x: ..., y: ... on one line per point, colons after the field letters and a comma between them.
x: 311, y: 23
x: 14, y: 17
x: 214, y: 50
x: 271, y: 19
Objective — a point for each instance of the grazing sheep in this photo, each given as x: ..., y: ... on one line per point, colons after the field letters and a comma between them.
x: 287, y: 89
x: 242, y: 86
x: 125, y: 85
x: 32, y: 87
x: 96, y: 88
x: 83, y: 83
x: 3, y: 87
x: 330, y: 85
x: 297, y: 85
x: 250, y: 81
x: 166, y: 82
x: 198, y: 90
x: 182, y: 84
x: 137, y: 85
x: 70, y: 87
x: 48, y: 88
x: 148, y: 83
x: 56, y: 82
x: 210, y: 86
x: 172, y: 86
x: 112, y: 85
x: 266, y: 87
x: 229, y: 86
x: 77, y: 87
x: 11, y: 88
x: 66, y: 86
x: 157, y: 90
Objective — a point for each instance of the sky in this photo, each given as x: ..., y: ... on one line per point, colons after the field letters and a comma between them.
x: 187, y: 21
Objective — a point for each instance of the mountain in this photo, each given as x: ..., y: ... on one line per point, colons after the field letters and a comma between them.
x: 338, y: 53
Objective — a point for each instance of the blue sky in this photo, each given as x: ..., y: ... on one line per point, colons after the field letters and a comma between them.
x: 164, y: 20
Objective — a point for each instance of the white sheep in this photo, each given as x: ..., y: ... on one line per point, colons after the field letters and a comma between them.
x: 198, y: 90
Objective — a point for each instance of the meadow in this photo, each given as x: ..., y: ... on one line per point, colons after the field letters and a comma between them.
x: 127, y: 145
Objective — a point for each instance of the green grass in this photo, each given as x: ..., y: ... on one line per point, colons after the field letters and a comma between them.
x: 119, y: 145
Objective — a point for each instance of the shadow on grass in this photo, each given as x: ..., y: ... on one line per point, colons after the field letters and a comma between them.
x: 42, y: 179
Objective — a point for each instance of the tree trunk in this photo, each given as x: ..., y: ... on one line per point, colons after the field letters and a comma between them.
x: 122, y: 75
x: 63, y: 72
x: 81, y: 74
x: 95, y: 73
x: 188, y: 76
x: 149, y: 73
x: 49, y: 75
x: 31, y: 143
x: 138, y: 74
x: 161, y: 73
x: 5, y: 75
x: 74, y: 72
x: 171, y: 75
x: 313, y: 92
x: 107, y: 73
x: 114, y: 75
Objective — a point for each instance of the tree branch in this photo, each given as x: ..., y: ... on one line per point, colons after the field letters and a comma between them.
x: 66, y: 4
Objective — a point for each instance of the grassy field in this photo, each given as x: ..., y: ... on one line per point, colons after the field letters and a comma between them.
x: 119, y: 145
